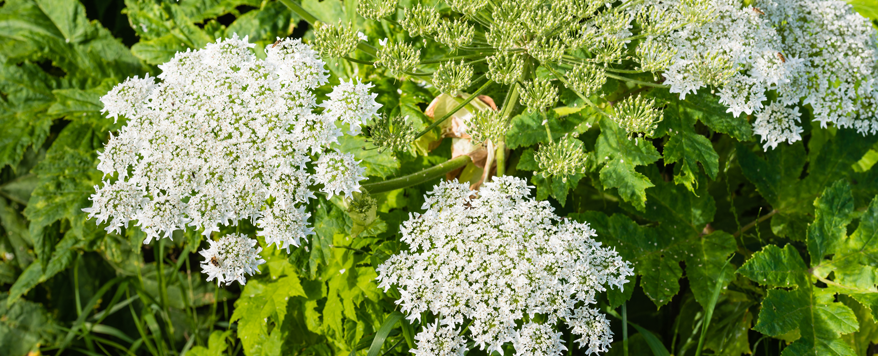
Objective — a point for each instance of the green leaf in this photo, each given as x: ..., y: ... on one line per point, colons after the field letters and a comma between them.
x: 686, y: 148
x: 23, y: 326
x: 377, y: 163
x: 706, y: 265
x: 619, y: 157
x: 26, y: 95
x: 813, y: 314
x: 265, y: 24
x: 526, y: 129
x: 216, y: 345
x: 383, y: 332
x: 833, y: 213
x: 158, y: 50
x: 706, y: 108
x: 658, y: 349
x: 775, y: 267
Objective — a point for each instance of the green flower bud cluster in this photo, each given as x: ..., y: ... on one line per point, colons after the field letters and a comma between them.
x: 563, y: 158
x: 487, y: 125
x: 608, y: 49
x: 420, y: 20
x: 468, y: 8
x: 505, y: 67
x: 546, y: 49
x: 586, y: 78
x: 393, y: 133
x: 398, y: 57
x: 451, y: 78
x: 715, y: 69
x: 654, y: 56
x: 455, y: 34
x: 539, y: 94
x: 376, y: 9
x: 638, y: 116
x: 335, y: 40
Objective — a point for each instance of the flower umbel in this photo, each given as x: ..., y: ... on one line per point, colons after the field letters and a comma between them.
x: 226, y: 137
x: 488, y: 258
x: 562, y: 158
x: 231, y: 259
x: 335, y: 41
x: 637, y: 116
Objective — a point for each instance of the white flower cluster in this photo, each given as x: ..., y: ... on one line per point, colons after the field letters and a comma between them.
x: 225, y: 136
x: 498, y: 260
x: 230, y: 258
x: 784, y: 53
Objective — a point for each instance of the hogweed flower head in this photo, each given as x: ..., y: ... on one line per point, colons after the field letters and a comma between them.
x: 455, y: 34
x: 487, y: 125
x: 225, y: 136
x: 376, y: 9
x: 352, y: 103
x: 398, y: 57
x: 539, y: 94
x: 586, y: 78
x: 338, y: 172
x: 563, y: 158
x: 335, y: 40
x: 394, y: 133
x: 230, y: 259
x: 451, y: 78
x: 420, y: 20
x: 776, y: 124
x: 505, y: 67
x: 637, y: 116
x: 493, y: 256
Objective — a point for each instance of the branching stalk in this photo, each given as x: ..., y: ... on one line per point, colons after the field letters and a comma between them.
x: 419, y: 177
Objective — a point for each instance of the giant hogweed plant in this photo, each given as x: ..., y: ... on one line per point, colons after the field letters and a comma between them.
x: 254, y: 153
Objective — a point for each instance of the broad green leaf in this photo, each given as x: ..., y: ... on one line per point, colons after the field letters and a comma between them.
x: 775, y: 267
x: 813, y: 314
x: 158, y: 50
x: 216, y: 345
x: 264, y: 24
x: 23, y: 327
x: 26, y: 95
x: 706, y: 266
x: 706, y: 108
x: 16, y: 230
x: 833, y: 212
x: 527, y: 129
x: 867, y: 334
x: 687, y: 148
x: 619, y: 157
x: 377, y: 163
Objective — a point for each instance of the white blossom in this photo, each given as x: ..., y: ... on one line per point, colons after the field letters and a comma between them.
x: 491, y: 258
x: 225, y: 136
x: 776, y: 124
x: 230, y: 259
x: 773, y: 54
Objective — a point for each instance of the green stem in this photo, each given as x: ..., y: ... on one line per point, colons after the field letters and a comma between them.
x: 755, y: 222
x: 446, y: 59
x: 625, y: 329
x: 500, y: 156
x: 639, y: 82
x: 359, y: 61
x: 458, y: 107
x: 419, y: 177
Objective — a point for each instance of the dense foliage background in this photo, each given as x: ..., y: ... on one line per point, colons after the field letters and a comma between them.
x: 720, y: 232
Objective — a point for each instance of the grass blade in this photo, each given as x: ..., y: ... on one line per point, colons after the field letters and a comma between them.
x: 382, y: 333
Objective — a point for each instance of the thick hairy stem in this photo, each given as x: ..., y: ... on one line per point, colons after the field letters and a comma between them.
x: 456, y: 108
x: 419, y: 177
x: 500, y: 156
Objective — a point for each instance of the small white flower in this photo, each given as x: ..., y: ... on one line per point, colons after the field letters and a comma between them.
x: 362, y: 36
x: 776, y: 124
x: 383, y: 42
x: 339, y: 173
